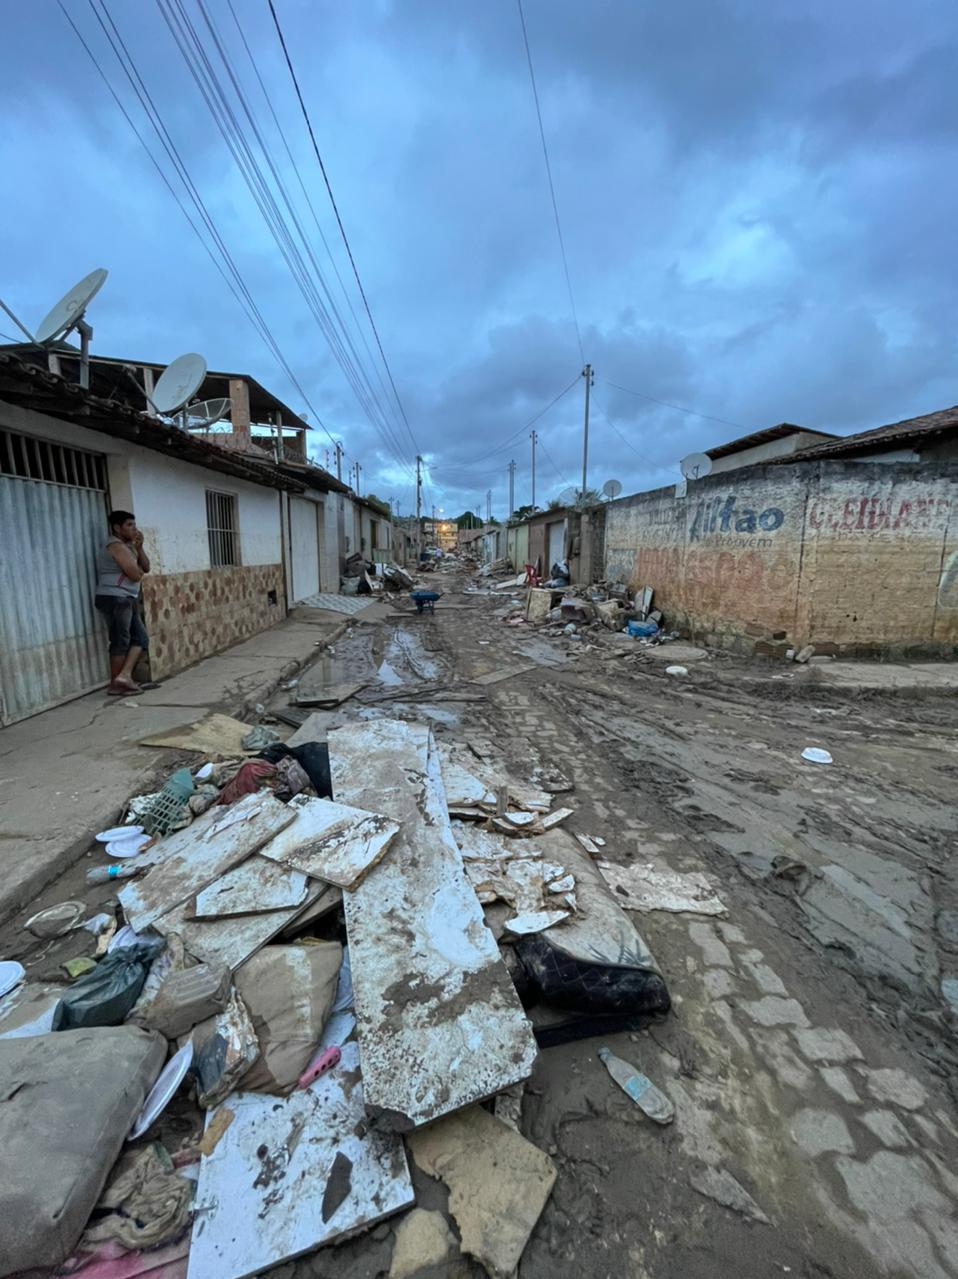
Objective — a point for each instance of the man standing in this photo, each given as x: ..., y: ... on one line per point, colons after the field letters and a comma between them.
x: 121, y: 563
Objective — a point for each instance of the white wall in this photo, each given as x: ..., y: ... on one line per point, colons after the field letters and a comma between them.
x: 167, y: 496
x: 785, y: 446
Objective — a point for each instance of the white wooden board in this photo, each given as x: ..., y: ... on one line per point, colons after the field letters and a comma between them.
x: 647, y: 887
x: 231, y: 941
x: 260, y: 1197
x: 332, y: 842
x: 255, y: 885
x: 229, y: 836
x: 438, y: 1018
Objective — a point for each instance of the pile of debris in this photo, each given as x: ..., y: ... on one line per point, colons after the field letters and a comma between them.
x: 329, y: 954
x: 363, y: 577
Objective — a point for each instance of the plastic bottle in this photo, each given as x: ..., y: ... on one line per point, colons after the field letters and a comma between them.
x: 102, y: 874
x: 640, y: 1088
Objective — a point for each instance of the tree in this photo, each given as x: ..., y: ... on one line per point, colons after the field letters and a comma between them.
x: 469, y: 519
x: 373, y: 500
x: 522, y: 513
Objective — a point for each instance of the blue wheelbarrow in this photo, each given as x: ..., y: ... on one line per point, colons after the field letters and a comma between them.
x: 425, y: 600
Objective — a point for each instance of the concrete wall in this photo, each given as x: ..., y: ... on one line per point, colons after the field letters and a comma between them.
x: 766, y: 452
x: 849, y: 556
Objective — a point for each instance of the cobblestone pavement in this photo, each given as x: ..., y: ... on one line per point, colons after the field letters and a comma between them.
x: 808, y: 1050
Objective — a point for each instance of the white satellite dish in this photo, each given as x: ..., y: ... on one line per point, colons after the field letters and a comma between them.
x: 696, y: 466
x: 68, y: 312
x: 66, y: 315
x: 177, y: 383
x: 612, y: 488
x: 568, y: 496
x: 206, y: 412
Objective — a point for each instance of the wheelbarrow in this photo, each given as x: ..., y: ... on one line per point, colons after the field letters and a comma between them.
x: 425, y: 600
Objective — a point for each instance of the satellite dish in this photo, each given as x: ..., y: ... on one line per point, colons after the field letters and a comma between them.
x: 568, y: 496
x: 612, y: 488
x: 68, y: 312
x: 696, y: 466
x: 178, y: 382
x: 206, y: 412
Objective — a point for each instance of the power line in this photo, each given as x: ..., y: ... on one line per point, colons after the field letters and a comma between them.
x: 339, y: 221
x: 227, y: 266
x: 678, y: 407
x: 625, y: 440
x: 552, y: 190
x: 213, y: 92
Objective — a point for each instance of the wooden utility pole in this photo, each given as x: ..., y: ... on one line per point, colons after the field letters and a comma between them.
x: 534, y: 438
x: 587, y: 374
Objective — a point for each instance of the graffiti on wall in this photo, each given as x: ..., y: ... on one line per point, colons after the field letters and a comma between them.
x: 871, y: 513
x: 727, y: 515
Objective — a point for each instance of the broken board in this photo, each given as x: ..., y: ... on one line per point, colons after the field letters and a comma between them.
x: 646, y: 887
x: 232, y: 835
x: 253, y: 886
x: 438, y: 1018
x: 328, y: 695
x: 504, y: 672
x: 332, y: 842
x: 291, y: 1174
x: 215, y: 736
x: 233, y: 940
x: 498, y: 1184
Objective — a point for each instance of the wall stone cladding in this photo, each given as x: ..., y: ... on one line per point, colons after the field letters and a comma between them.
x: 191, y: 615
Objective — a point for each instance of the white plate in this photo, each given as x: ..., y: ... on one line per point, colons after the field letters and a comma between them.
x: 161, y: 1094
x: 127, y: 847
x: 11, y: 973
x: 815, y: 755
x: 118, y: 832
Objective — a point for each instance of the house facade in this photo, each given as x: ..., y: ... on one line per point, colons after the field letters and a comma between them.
x: 212, y: 522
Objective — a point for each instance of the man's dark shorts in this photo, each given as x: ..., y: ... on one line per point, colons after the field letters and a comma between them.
x: 126, y: 626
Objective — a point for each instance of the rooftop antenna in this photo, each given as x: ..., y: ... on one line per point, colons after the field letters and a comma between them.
x: 68, y: 315
x: 204, y: 413
x: 611, y: 489
x: 177, y: 383
x: 696, y: 466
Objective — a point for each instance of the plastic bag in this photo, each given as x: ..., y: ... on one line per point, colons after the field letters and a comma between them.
x: 105, y: 996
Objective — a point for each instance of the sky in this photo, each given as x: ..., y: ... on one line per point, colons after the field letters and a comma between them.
x: 757, y: 202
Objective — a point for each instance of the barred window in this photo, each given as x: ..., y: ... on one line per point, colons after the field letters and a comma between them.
x: 30, y: 458
x: 222, y: 528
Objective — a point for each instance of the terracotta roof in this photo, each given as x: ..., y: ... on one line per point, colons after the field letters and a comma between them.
x: 31, y: 387
x: 896, y: 435
x: 780, y: 432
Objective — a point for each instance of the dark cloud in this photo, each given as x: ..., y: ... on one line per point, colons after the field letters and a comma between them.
x: 758, y: 203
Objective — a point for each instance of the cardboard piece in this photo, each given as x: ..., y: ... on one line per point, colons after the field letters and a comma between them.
x: 215, y: 736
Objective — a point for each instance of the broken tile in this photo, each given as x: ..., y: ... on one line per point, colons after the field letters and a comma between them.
x: 648, y: 888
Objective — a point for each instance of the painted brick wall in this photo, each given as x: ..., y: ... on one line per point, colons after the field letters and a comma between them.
x: 854, y: 556
x: 191, y: 615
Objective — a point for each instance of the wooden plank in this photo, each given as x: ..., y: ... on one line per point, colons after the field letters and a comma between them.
x: 215, y: 736
x: 230, y: 836
x: 256, y: 885
x: 439, y: 1022
x: 327, y: 695
x: 232, y: 941
x: 291, y: 1174
x: 504, y: 672
x: 332, y: 842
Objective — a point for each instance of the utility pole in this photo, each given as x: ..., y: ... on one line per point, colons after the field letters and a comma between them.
x: 488, y: 506
x: 512, y: 488
x: 358, y: 492
x: 339, y: 461
x: 418, y: 506
x: 588, y: 375
x: 535, y: 439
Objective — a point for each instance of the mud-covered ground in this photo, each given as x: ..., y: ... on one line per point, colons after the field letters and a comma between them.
x: 809, y: 1050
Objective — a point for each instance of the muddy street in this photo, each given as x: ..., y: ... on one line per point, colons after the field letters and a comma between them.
x: 808, y: 1051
